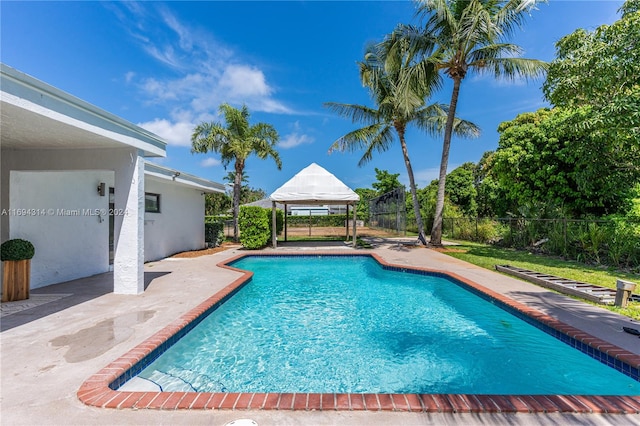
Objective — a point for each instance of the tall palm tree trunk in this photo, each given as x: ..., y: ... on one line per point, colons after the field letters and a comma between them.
x: 436, y: 231
x: 237, y: 186
x: 412, y: 184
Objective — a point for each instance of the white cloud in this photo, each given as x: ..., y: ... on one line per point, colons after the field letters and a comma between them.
x: 272, y: 106
x: 210, y: 162
x: 174, y: 132
x: 294, y: 139
x: 128, y: 77
x: 208, y: 72
x: 183, y: 33
x: 243, y: 80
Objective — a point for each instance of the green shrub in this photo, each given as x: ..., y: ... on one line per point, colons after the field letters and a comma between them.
x: 279, y: 221
x: 623, y: 244
x: 611, y: 241
x: 487, y: 230
x: 254, y: 223
x: 219, y: 218
x: 472, y: 229
x: 214, y: 233
x: 16, y: 249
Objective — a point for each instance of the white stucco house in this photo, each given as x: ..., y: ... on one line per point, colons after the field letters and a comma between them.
x: 74, y: 181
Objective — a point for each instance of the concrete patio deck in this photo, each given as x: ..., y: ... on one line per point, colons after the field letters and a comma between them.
x: 49, y: 350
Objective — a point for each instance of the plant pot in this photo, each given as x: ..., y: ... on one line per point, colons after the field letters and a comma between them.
x: 16, y: 277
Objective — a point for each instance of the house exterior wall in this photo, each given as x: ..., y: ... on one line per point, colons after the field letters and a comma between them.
x: 179, y: 226
x: 73, y: 247
x: 118, y: 160
x: 65, y: 218
x: 128, y: 170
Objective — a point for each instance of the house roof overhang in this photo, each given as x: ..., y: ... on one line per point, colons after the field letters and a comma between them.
x: 35, y: 115
x: 179, y: 178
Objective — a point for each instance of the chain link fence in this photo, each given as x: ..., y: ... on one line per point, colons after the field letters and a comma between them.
x: 388, y: 211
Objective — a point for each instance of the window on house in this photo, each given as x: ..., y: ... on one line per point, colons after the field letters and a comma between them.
x: 151, y: 202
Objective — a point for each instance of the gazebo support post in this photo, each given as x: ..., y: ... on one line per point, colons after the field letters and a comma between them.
x: 274, y: 238
x: 354, y: 225
x: 285, y: 221
x: 346, y: 224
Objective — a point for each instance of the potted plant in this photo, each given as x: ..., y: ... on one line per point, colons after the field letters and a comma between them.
x: 16, y: 256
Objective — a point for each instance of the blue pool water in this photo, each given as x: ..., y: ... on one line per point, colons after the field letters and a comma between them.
x: 346, y: 325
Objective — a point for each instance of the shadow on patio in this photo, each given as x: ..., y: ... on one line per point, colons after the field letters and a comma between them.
x: 52, y: 299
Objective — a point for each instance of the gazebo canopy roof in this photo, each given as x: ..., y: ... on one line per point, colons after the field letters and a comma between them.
x: 314, y: 185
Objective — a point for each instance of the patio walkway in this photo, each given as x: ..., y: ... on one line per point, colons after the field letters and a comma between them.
x: 49, y: 350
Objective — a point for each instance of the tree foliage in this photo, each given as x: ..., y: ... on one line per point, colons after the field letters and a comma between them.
x: 385, y: 181
x: 461, y: 189
x: 217, y: 203
x: 543, y: 158
x: 491, y: 198
x: 400, y: 101
x: 235, y: 141
x: 584, y: 154
x: 598, y: 67
x: 460, y: 37
x: 595, y: 78
x: 362, y: 209
x: 247, y: 193
x: 395, y: 110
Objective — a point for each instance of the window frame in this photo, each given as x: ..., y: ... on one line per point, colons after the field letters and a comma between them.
x: 157, y: 202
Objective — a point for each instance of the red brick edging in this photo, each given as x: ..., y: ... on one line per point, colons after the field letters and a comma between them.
x: 95, y: 391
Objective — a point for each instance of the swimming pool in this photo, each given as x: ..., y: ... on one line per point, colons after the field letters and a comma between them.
x: 299, y: 326
x: 411, y: 399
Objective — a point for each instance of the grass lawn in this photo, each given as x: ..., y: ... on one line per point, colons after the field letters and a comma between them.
x: 488, y: 256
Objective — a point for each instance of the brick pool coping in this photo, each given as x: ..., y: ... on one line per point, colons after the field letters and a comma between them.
x: 96, y: 390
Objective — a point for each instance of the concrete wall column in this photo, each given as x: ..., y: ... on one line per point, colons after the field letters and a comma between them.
x: 128, y: 264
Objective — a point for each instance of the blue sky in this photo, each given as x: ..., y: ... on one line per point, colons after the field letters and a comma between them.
x: 167, y: 66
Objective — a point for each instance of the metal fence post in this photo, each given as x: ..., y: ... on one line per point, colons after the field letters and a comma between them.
x: 477, y: 236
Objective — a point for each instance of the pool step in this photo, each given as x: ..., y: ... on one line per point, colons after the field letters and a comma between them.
x: 594, y: 293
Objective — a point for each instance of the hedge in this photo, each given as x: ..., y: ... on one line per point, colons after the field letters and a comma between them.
x: 213, y: 233
x: 255, y: 224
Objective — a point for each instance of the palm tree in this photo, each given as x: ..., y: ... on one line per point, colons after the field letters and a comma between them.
x: 396, y: 109
x: 236, y: 141
x: 461, y: 36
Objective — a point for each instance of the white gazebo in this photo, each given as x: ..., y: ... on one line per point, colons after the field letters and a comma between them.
x: 313, y: 185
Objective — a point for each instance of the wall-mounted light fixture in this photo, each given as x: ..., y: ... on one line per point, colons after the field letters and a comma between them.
x: 175, y: 175
x: 101, y: 189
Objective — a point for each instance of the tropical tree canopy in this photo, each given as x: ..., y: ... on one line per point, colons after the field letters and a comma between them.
x: 247, y: 193
x: 545, y: 158
x: 385, y: 181
x: 217, y: 204
x: 235, y: 141
x: 462, y: 36
x: 461, y: 189
x: 595, y: 78
x: 597, y: 67
x: 584, y: 154
x: 399, y: 104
